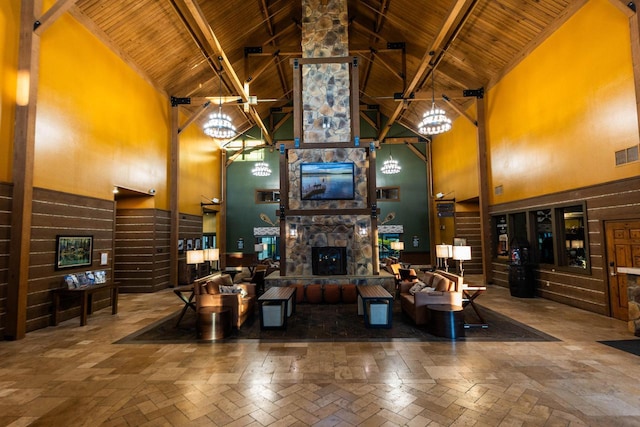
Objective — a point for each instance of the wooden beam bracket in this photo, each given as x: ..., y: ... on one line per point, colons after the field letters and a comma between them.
x: 476, y: 93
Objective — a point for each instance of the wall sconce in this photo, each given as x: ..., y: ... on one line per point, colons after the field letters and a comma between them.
x: 461, y: 254
x: 443, y: 253
x: 363, y: 230
x: 293, y: 230
x: 326, y: 122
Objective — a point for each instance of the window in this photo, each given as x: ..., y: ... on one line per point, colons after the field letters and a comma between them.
x: 388, y: 193
x: 267, y: 196
x: 572, y: 222
x: 544, y: 236
x: 272, y: 250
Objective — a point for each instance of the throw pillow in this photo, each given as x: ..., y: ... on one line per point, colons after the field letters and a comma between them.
x: 230, y: 289
x: 417, y: 287
x: 427, y: 289
x: 441, y: 283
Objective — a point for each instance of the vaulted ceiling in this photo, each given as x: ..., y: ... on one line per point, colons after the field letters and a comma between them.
x: 201, y: 48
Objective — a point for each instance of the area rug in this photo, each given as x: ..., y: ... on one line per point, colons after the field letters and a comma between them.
x: 338, y: 322
x: 630, y: 346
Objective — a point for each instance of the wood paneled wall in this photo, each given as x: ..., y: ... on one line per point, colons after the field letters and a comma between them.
x: 5, y: 232
x: 142, y: 249
x: 56, y: 213
x: 587, y: 290
x: 468, y: 227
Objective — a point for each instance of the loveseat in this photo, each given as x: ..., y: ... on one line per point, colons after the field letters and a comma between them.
x: 441, y: 288
x: 218, y: 290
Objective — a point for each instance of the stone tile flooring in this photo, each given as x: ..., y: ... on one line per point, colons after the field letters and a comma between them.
x: 71, y: 376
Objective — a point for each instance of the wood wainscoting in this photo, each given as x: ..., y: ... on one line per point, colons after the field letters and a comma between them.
x: 589, y: 290
x: 5, y: 232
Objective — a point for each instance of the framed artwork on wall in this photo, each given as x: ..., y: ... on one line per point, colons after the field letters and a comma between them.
x: 180, y: 245
x: 73, y: 251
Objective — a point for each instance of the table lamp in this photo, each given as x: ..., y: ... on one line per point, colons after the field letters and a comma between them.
x: 397, y: 246
x: 212, y: 254
x: 195, y: 257
x: 461, y: 254
x: 443, y: 253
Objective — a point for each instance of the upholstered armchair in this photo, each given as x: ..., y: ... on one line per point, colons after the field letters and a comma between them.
x: 220, y: 291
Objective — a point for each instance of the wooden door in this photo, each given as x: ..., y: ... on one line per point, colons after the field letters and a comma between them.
x: 623, y: 250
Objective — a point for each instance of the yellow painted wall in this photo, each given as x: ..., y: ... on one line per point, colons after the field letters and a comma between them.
x: 555, y: 121
x: 199, y: 169
x: 98, y: 124
x: 9, y: 34
x: 455, y: 171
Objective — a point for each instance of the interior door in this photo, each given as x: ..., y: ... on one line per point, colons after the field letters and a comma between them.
x: 623, y: 250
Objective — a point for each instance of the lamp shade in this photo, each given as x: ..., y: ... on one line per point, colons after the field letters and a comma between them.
x: 195, y: 257
x: 212, y: 254
x: 397, y: 246
x: 444, y: 251
x: 462, y: 253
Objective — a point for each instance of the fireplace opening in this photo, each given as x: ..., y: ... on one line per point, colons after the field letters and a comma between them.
x: 329, y: 260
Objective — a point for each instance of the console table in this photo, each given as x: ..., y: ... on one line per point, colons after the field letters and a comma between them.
x: 86, y: 300
x: 377, y: 306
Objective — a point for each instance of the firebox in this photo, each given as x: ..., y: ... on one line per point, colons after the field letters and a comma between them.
x: 329, y: 260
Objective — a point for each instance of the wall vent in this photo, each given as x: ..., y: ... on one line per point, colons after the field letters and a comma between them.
x: 497, y: 190
x: 627, y: 155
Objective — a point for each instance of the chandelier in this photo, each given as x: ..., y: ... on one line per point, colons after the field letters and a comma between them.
x: 390, y: 166
x: 261, y: 169
x: 434, y: 121
x: 219, y: 125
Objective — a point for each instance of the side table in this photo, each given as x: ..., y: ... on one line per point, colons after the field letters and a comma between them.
x: 214, y: 323
x: 446, y: 321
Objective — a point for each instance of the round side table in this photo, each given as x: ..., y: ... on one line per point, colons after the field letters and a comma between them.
x: 214, y: 323
x: 446, y: 321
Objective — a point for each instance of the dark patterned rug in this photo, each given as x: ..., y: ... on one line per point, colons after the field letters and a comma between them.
x: 630, y: 346
x: 340, y: 322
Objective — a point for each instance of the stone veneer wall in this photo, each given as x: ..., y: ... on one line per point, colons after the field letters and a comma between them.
x: 330, y: 229
x: 325, y: 87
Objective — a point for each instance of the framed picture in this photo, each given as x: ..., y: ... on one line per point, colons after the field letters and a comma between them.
x: 180, y: 245
x: 198, y: 244
x: 73, y: 251
x: 189, y: 244
x: 459, y: 241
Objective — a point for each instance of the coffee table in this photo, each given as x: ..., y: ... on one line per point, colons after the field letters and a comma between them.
x: 275, y: 306
x: 377, y: 306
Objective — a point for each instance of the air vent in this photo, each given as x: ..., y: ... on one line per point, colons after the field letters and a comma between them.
x: 627, y: 155
x: 497, y: 190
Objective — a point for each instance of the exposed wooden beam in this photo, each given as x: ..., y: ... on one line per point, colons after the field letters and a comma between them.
x: 458, y: 10
x: 22, y: 173
x: 174, y: 193
x: 460, y: 111
x: 51, y: 15
x: 368, y: 119
x: 195, y: 116
x: 419, y: 154
x: 623, y: 5
x: 483, y: 190
x: 212, y: 43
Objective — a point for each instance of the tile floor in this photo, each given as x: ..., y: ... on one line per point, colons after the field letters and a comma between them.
x: 74, y: 376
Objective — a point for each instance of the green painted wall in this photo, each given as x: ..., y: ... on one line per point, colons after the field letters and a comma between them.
x: 243, y: 214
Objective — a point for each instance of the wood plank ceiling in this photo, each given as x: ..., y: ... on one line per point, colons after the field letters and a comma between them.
x: 202, y: 48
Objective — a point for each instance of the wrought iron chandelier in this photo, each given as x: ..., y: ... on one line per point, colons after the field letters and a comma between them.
x: 435, y: 120
x: 390, y: 166
x: 261, y: 169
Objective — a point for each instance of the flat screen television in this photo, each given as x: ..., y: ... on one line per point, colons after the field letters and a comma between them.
x: 327, y: 181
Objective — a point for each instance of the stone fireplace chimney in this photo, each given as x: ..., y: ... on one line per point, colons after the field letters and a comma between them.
x: 324, y: 133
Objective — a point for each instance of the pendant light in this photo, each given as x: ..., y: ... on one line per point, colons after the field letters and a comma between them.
x: 434, y: 121
x: 219, y: 125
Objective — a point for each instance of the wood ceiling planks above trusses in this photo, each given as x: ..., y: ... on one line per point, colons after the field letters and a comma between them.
x: 165, y: 41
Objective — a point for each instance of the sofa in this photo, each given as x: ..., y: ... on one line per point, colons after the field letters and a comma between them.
x: 441, y: 288
x: 218, y: 290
